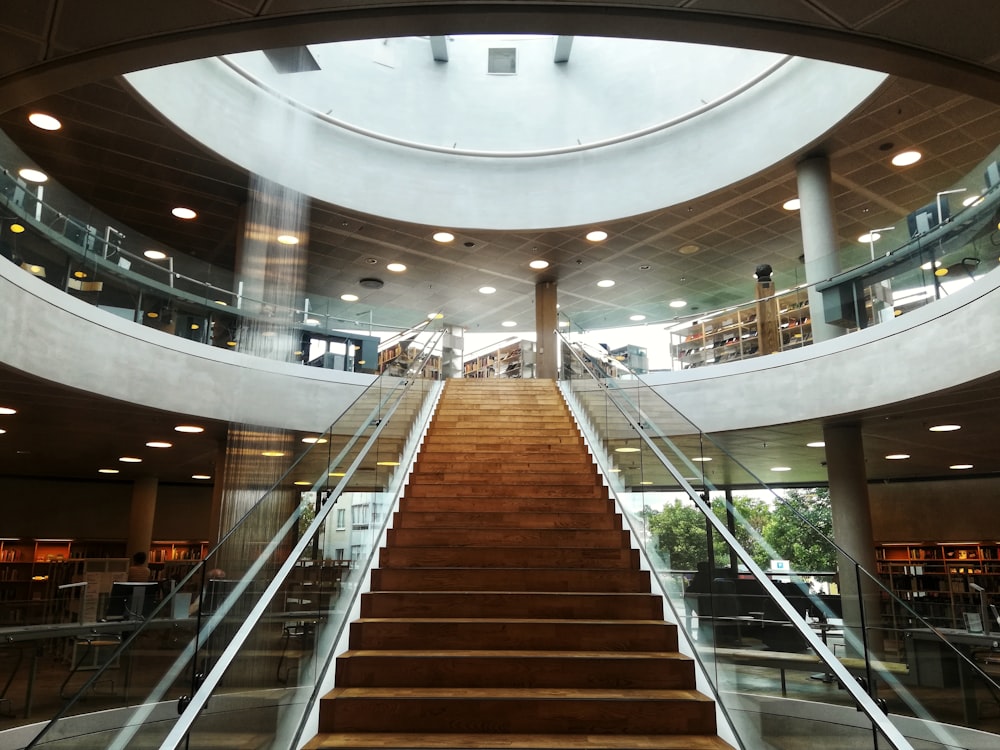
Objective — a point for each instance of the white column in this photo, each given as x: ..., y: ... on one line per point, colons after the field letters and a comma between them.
x: 819, y: 237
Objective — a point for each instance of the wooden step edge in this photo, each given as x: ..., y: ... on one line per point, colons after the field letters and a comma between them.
x: 681, y: 695
x: 474, y: 741
x: 519, y: 622
x: 671, y: 656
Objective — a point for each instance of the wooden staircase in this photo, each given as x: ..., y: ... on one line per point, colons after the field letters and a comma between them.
x: 508, y: 610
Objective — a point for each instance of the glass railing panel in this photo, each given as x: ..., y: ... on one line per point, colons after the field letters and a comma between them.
x: 856, y: 621
x: 152, y: 650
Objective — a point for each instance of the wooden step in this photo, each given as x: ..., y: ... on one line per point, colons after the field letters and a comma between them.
x: 515, y: 605
x: 472, y: 461
x: 644, y: 670
x: 510, y: 710
x: 504, y: 520
x: 500, y: 474
x: 510, y: 579
x: 508, y: 504
x: 522, y: 741
x: 533, y: 635
x: 515, y: 538
x: 538, y: 559
x: 487, y: 490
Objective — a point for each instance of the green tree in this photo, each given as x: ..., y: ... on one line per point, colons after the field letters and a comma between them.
x: 679, y: 534
x: 794, y: 530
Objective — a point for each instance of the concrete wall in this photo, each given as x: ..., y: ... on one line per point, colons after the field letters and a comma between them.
x: 54, y: 336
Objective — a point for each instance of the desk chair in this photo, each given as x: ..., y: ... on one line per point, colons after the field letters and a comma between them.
x: 92, y: 645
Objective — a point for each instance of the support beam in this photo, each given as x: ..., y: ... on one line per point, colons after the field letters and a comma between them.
x: 563, y: 46
x: 439, y: 48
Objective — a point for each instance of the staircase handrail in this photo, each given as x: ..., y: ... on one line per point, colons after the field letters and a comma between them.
x: 862, y: 699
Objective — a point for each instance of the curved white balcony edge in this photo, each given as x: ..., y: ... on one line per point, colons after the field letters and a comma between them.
x: 939, y: 346
x: 49, y: 334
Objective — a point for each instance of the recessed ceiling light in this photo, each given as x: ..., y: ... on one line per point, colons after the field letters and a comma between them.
x: 870, y: 237
x: 79, y: 274
x: 538, y: 265
x: 230, y: 343
x: 130, y: 460
x: 191, y: 428
x: 960, y: 467
x: 606, y: 283
x: 349, y: 297
x: 107, y: 471
x: 973, y: 200
x: 487, y: 290
x: 509, y: 323
x: 159, y: 444
x: 688, y: 249
x: 927, y: 266
x: 627, y: 450
x: 645, y: 482
x: 201, y: 476
x: 597, y: 235
x: 17, y: 228
x: 941, y: 272
x: 314, y: 440
x: 302, y: 483
x: 272, y: 454
x: 781, y: 468
x: 182, y: 212
x: 564, y: 324
x: 793, y: 204
x: 7, y: 410
x: 443, y: 237
x: 155, y: 254
x: 387, y: 463
x: 702, y: 459
x: 222, y: 302
x: 288, y: 239
x: 816, y: 444
x: 152, y: 314
x: 945, y: 427
x: 33, y: 175
x: 898, y: 456
x: 678, y: 303
x: 337, y: 474
x: 906, y: 158
x: 435, y: 316
x: 636, y: 318
x: 43, y: 121
x: 395, y: 267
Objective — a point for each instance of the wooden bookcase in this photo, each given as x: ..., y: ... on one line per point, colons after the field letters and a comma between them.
x: 510, y: 359
x: 935, y: 578
x: 735, y: 335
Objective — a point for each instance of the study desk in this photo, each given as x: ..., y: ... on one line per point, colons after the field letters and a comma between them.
x: 937, y: 665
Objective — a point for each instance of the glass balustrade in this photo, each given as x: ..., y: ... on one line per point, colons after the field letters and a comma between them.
x: 244, y: 640
x: 788, y: 651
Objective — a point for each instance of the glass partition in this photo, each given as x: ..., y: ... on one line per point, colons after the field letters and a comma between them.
x: 820, y: 651
x: 239, y: 644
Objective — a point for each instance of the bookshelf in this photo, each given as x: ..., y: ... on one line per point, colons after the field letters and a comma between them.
x: 935, y: 578
x: 509, y: 359
x: 735, y: 335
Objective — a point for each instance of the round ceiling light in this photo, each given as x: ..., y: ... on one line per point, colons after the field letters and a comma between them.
x: 7, y: 410
x: 435, y: 316
x: 159, y: 444
x: 396, y: 267
x: 288, y: 239
x: 33, y: 175
x: 636, y: 318
x: 443, y: 237
x: 792, y: 204
x: 960, y: 467
x: 898, y: 456
x: 509, y: 323
x: 487, y: 290
x: 314, y: 440
x: 906, y: 158
x: 781, y: 468
x: 945, y: 427
x: 17, y: 228
x: 538, y: 265
x: 605, y: 283
x: 677, y: 303
x: 349, y: 297
x: 107, y: 471
x: 201, y: 476
x: 870, y: 237
x: 688, y: 249
x: 182, y: 212
x: 597, y: 235
x: 130, y: 460
x: 816, y: 444
x: 190, y: 428
x: 272, y: 454
x: 155, y: 254
x: 43, y: 121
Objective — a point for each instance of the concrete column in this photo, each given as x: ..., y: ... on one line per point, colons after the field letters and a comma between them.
x: 819, y: 237
x: 546, y: 320
x: 141, y: 514
x: 852, y: 530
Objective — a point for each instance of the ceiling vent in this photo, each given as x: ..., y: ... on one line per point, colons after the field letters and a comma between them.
x: 372, y: 283
x: 502, y: 61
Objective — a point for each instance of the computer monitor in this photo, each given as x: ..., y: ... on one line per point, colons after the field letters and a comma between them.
x: 216, y: 591
x: 925, y: 219
x: 992, y: 175
x: 131, y: 601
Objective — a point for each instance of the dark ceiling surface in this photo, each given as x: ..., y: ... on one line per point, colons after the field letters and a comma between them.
x: 117, y: 155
